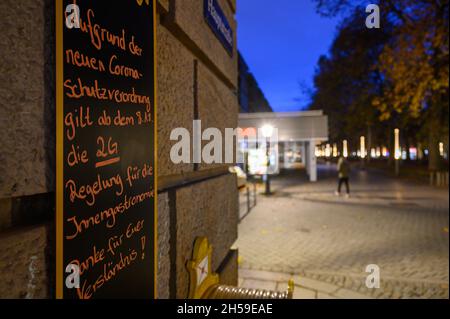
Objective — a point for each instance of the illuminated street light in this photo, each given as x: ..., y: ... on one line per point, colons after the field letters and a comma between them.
x: 267, y: 131
x: 404, y: 154
x: 363, y: 147
x: 397, y: 152
x: 413, y: 153
x: 345, y: 148
x: 318, y: 152
x: 441, y: 149
x: 335, y: 150
x: 328, y: 150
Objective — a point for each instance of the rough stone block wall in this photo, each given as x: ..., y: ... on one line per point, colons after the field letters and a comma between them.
x: 163, y: 274
x: 27, y: 103
x: 188, y: 15
x: 217, y: 106
x: 229, y: 270
x: 175, y: 97
x: 25, y: 263
x: 208, y: 209
x: 207, y: 206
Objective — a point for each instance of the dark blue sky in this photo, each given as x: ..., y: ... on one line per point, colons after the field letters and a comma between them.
x: 281, y: 41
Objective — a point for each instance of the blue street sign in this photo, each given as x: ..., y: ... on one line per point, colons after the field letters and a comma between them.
x: 219, y: 24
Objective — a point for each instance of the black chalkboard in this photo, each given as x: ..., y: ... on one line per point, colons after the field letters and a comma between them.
x: 106, y: 212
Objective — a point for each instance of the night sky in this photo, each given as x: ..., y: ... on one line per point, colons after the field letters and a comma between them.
x: 281, y: 42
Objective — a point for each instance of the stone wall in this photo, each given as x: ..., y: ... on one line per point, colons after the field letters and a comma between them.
x: 197, y: 79
x: 27, y: 103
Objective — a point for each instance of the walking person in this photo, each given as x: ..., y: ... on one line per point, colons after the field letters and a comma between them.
x: 343, y: 171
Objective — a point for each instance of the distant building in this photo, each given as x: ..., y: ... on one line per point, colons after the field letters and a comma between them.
x: 298, y: 134
x: 251, y: 97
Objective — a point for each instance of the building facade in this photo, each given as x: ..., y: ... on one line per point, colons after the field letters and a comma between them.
x: 297, y: 135
x: 197, y: 79
x: 251, y: 97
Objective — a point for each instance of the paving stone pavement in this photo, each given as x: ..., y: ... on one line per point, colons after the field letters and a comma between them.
x: 306, y: 232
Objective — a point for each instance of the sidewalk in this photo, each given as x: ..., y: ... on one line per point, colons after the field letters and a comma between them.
x: 305, y: 288
x: 307, y: 232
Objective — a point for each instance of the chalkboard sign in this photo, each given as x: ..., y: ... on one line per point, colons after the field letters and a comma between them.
x: 106, y: 162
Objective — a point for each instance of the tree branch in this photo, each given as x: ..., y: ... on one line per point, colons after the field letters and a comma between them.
x: 401, y: 15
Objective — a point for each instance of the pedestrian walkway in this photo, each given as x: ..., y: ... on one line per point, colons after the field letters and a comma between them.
x: 306, y: 232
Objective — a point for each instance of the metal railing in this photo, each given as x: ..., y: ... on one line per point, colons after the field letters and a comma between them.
x: 439, y: 178
x: 247, y: 200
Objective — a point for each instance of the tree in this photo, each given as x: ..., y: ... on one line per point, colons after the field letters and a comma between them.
x: 413, y: 64
x: 347, y: 80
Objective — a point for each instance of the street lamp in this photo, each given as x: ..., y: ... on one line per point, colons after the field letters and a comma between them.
x: 441, y: 149
x: 345, y: 148
x: 397, y: 152
x: 267, y: 132
x: 328, y: 151
x: 317, y: 152
x: 362, y: 151
x: 363, y: 147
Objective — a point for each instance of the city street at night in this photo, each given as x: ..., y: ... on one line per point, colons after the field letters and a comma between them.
x: 224, y: 158
x: 324, y: 242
